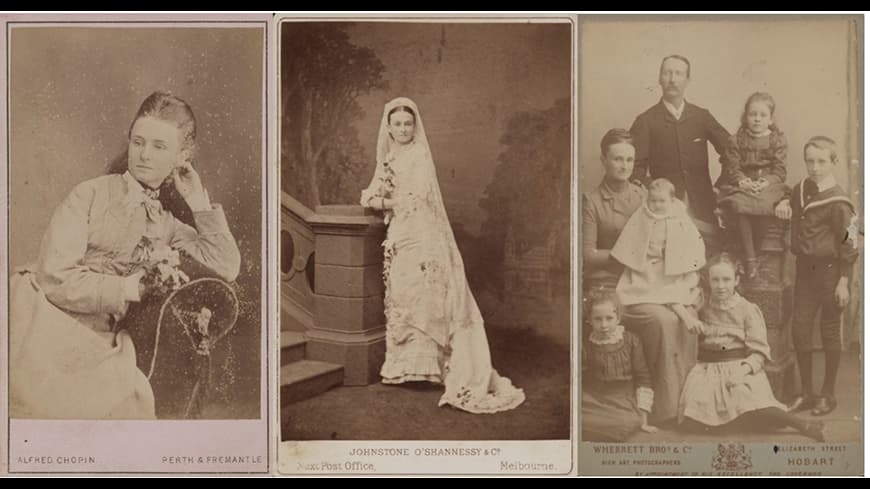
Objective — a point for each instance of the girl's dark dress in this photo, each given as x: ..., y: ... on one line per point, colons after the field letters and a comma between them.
x: 615, y: 378
x: 753, y: 157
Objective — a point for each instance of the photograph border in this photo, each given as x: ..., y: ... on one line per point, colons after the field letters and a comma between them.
x: 268, y: 254
x: 318, y: 450
x: 857, y: 452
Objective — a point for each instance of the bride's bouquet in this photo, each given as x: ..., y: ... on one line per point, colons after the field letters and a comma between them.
x: 388, y: 186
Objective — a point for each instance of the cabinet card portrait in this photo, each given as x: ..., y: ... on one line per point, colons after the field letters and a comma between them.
x: 135, y: 320
x: 426, y: 245
x: 722, y: 254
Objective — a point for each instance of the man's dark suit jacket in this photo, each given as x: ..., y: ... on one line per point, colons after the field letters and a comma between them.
x: 677, y: 150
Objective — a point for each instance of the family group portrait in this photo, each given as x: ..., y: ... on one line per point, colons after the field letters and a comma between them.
x: 721, y: 229
x: 135, y: 222
x: 426, y: 182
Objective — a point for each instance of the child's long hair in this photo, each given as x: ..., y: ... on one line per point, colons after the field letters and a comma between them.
x: 721, y: 258
x: 743, y: 135
x: 166, y: 107
x: 759, y: 97
x: 595, y: 297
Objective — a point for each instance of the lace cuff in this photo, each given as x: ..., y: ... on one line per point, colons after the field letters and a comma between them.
x: 644, y: 397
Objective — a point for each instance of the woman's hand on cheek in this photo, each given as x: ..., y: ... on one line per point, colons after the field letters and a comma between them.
x: 189, y: 185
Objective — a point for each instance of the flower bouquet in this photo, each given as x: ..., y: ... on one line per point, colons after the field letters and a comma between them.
x: 161, y: 265
x: 388, y: 186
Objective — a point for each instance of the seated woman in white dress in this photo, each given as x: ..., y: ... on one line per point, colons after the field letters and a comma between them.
x: 68, y: 360
x: 435, y: 331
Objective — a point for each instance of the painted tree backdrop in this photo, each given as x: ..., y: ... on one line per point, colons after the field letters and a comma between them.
x: 495, y: 99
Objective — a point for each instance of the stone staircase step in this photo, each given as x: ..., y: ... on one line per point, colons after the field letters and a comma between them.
x: 307, y: 378
x: 292, y: 347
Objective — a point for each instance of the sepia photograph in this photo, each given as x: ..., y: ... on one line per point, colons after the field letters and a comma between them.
x: 426, y: 273
x: 136, y: 235
x: 446, y: 244
x: 721, y: 176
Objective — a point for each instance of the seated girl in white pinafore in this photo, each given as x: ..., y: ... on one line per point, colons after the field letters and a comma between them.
x: 729, y: 382
x: 662, y: 251
x: 66, y: 358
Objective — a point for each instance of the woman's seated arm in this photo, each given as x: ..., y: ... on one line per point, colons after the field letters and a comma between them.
x: 211, y: 243
x: 60, y: 271
x: 593, y: 257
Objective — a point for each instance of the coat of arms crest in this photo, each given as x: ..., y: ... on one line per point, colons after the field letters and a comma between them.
x: 731, y: 456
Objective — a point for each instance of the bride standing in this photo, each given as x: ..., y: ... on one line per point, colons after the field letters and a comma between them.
x: 435, y: 331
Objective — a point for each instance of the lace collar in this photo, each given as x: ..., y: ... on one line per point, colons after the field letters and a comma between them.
x: 613, y: 337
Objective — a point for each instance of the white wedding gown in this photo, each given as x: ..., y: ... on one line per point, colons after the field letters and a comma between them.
x: 435, y: 331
